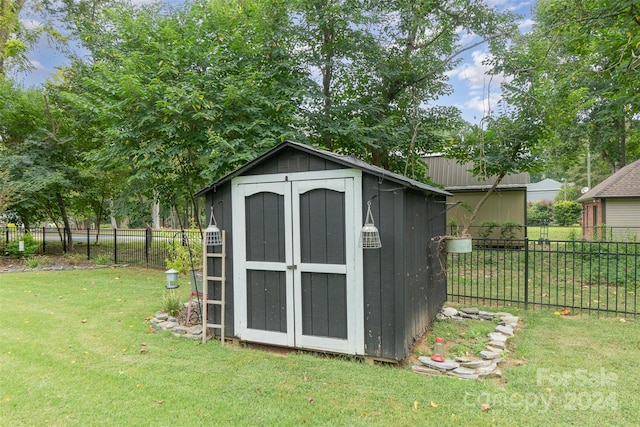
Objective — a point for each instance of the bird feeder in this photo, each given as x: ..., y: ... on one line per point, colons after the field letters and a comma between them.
x: 438, y: 350
x: 172, y: 279
x: 369, y: 235
x: 212, y: 235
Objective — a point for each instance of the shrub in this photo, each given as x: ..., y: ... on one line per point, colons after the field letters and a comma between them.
x: 30, y: 247
x: 539, y: 213
x: 103, y: 260
x: 567, y: 213
x: 487, y: 228
x: 508, y: 229
x: 180, y: 259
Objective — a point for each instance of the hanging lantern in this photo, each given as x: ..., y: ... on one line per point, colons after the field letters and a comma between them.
x: 212, y: 235
x: 369, y: 236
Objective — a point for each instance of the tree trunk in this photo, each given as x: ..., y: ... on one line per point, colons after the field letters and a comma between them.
x: 65, y: 219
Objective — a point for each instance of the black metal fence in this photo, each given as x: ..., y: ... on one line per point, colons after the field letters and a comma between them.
x: 144, y: 247
x: 574, y: 276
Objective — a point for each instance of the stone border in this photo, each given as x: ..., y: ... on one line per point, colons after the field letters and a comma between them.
x: 473, y: 368
x: 163, y: 322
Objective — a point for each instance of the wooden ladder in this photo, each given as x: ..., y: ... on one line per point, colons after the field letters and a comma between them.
x: 205, y: 290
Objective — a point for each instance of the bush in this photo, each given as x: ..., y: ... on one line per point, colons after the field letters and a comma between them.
x: 487, y: 228
x: 508, y: 229
x: 30, y: 247
x: 539, y: 213
x: 567, y: 213
x: 180, y: 258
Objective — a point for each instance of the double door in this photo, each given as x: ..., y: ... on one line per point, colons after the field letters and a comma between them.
x: 297, y: 268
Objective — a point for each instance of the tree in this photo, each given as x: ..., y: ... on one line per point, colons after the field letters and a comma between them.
x: 582, y: 59
x: 181, y: 97
x: 382, y: 66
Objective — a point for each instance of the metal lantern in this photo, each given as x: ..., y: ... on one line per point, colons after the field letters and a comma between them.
x: 369, y: 236
x: 172, y: 279
x: 212, y: 235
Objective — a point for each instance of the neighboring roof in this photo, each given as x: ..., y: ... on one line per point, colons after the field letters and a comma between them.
x: 624, y: 183
x: 451, y: 173
x: 347, y: 161
x: 544, y: 185
x: 501, y: 187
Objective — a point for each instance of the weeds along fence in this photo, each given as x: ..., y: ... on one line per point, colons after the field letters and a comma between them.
x: 579, y: 276
x: 143, y: 247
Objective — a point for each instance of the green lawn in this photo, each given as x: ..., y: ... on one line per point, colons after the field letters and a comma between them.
x: 71, y: 354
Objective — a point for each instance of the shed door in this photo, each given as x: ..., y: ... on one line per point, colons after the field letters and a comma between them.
x: 295, y: 280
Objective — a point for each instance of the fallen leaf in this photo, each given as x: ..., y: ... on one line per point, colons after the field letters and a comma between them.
x: 83, y: 321
x: 138, y: 385
x: 565, y: 311
x: 433, y: 405
x: 485, y: 407
x: 310, y: 400
x: 160, y: 402
x: 622, y: 320
x: 557, y: 313
x: 144, y: 351
x: 415, y: 405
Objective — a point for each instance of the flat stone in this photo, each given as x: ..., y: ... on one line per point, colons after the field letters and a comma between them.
x: 473, y: 376
x: 195, y: 330
x: 168, y: 325
x: 486, y: 370
x: 471, y: 310
x: 502, y: 314
x: 494, y: 349
x: 475, y: 364
x: 497, y: 336
x: 468, y: 315
x: 447, y: 365
x: 441, y: 316
x: 485, y: 316
x: 498, y: 344
x: 180, y: 329
x: 449, y: 311
x: 504, y: 330
x: 464, y: 371
x: 463, y: 359
x: 172, y: 319
x: 162, y: 316
x: 423, y: 370
x: 456, y: 318
x: 489, y: 355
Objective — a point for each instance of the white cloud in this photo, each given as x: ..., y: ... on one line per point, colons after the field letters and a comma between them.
x: 525, y: 26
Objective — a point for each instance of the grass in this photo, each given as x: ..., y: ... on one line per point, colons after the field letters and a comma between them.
x: 556, y: 233
x: 71, y: 355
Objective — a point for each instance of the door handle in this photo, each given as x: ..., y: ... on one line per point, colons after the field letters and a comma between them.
x: 292, y: 267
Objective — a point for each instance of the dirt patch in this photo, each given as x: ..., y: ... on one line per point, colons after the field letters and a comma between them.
x: 45, y: 263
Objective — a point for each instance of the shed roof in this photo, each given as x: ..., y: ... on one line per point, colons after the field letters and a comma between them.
x: 347, y: 161
x: 624, y: 183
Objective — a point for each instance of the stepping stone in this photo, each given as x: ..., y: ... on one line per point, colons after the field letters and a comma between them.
x: 162, y: 316
x: 449, y: 311
x: 473, y: 376
x: 468, y: 316
x: 471, y: 310
x: 498, y: 344
x: 423, y: 370
x: 497, y: 336
x: 504, y: 330
x: 489, y: 355
x: 475, y: 364
x: 487, y: 370
x: 447, y: 365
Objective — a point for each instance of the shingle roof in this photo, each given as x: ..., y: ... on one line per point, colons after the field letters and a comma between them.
x: 624, y: 183
x: 347, y: 161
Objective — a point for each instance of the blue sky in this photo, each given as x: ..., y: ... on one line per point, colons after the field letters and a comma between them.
x: 475, y: 93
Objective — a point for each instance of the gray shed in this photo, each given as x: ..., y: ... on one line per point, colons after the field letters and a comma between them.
x: 295, y: 273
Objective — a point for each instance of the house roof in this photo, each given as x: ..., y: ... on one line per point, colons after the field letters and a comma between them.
x: 544, y: 185
x: 486, y: 187
x: 624, y: 183
x: 347, y: 161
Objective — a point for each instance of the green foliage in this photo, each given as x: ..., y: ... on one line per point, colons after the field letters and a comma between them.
x: 567, y: 213
x: 509, y: 229
x: 103, y: 260
x: 185, y: 257
x: 30, y: 246
x: 171, y: 302
x: 539, y: 213
x: 486, y: 228
x: 608, y: 263
x: 32, y: 263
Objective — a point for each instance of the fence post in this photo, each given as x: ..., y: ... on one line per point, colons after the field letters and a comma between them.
x: 115, y: 246
x: 44, y: 240
x: 88, y: 245
x: 64, y: 240
x: 526, y: 273
x: 148, y: 236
